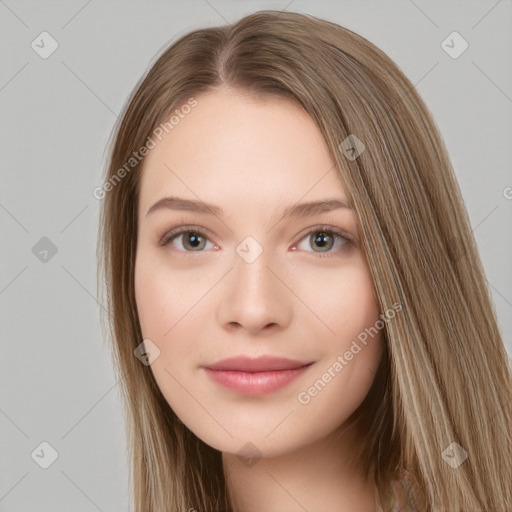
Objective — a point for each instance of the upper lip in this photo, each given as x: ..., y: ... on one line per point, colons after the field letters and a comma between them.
x: 257, y: 364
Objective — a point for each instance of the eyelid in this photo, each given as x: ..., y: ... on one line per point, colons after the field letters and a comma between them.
x: 325, y: 227
x: 179, y: 230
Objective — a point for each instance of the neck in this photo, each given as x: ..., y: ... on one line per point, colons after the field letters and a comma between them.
x: 318, y: 476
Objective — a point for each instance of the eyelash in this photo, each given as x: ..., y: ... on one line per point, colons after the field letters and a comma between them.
x: 174, y: 233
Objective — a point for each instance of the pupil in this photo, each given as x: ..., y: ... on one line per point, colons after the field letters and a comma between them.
x: 320, y: 239
x: 195, y: 238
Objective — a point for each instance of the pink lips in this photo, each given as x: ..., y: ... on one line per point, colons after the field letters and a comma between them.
x: 256, y: 376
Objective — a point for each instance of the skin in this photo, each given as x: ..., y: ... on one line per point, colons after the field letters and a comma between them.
x: 252, y: 157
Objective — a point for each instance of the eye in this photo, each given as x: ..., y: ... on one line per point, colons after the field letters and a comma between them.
x: 325, y: 238
x: 193, y: 241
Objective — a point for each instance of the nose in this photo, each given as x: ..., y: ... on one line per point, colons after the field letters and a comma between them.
x: 254, y: 297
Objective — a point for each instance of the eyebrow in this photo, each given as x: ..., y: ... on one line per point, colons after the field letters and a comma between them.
x: 296, y: 210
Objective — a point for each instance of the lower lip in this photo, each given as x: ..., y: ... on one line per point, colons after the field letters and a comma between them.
x: 255, y: 383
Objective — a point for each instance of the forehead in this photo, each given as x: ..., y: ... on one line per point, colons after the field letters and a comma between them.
x: 235, y: 149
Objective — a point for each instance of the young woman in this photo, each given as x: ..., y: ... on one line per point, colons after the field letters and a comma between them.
x: 299, y: 314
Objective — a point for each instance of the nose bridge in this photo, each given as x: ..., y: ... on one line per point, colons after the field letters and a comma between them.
x: 254, y: 296
x: 252, y: 271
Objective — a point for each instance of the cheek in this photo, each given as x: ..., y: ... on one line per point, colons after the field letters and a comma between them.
x: 164, y: 304
x: 163, y: 297
x: 171, y: 306
x: 344, y: 301
x: 351, y: 348
x: 151, y: 297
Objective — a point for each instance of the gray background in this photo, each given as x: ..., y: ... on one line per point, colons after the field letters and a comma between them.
x: 57, y: 381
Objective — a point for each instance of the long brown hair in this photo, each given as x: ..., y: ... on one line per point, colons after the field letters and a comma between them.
x: 444, y: 377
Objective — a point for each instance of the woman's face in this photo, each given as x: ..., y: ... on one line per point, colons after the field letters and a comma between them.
x: 253, y: 282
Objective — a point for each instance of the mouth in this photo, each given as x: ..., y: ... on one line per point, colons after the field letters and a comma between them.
x: 256, y: 376
x: 263, y: 363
